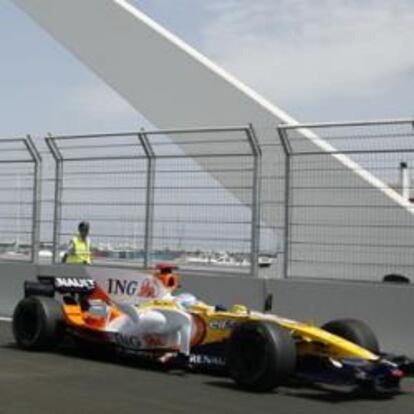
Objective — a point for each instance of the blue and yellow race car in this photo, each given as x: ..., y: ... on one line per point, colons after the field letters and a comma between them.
x: 258, y: 350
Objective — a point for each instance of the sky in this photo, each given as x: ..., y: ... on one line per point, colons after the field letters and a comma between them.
x: 319, y: 60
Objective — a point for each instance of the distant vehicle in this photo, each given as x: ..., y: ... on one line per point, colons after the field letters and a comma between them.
x: 265, y: 261
x: 259, y: 351
x: 198, y: 259
x: 226, y: 259
x: 45, y: 254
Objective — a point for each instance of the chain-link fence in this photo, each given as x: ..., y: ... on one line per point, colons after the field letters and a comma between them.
x: 349, y: 212
x: 326, y: 201
x: 19, y: 201
x: 154, y: 195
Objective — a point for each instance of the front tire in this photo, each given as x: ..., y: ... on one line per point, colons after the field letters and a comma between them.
x: 37, y: 323
x: 354, y: 331
x: 261, y: 356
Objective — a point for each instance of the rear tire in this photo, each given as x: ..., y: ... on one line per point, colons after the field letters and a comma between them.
x: 261, y: 356
x: 354, y: 331
x: 37, y: 323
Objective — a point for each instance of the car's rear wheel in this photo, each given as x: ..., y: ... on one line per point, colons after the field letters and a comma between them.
x: 354, y: 331
x: 261, y: 356
x: 37, y: 323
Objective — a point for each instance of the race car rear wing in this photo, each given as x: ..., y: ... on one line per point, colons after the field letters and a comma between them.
x: 48, y: 285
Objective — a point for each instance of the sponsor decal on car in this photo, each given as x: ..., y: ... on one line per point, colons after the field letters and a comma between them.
x: 147, y: 288
x: 209, y: 360
x: 155, y: 341
x: 127, y: 341
x: 74, y: 283
x: 222, y: 324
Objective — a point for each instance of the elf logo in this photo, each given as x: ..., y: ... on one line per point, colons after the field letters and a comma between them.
x: 222, y: 324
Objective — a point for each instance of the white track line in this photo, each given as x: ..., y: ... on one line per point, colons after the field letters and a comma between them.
x: 5, y: 319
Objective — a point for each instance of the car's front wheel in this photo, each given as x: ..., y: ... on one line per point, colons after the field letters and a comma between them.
x: 354, y: 331
x: 37, y: 323
x: 261, y: 356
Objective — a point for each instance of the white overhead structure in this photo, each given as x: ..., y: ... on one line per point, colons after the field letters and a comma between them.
x: 173, y: 85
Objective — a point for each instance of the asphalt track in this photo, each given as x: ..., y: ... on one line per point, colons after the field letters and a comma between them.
x: 67, y: 382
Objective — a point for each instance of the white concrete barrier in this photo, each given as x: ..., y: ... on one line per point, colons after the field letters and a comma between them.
x: 387, y: 308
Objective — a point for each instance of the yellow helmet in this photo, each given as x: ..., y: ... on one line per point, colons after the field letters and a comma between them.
x: 239, y: 309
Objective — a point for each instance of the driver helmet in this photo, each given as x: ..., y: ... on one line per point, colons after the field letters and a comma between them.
x: 186, y: 300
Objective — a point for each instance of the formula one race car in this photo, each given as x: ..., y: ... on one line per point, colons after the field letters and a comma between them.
x: 259, y: 351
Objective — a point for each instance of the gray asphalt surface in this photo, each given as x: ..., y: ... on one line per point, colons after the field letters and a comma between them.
x: 68, y: 382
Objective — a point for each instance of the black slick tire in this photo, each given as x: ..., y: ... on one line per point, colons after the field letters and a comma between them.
x: 261, y: 356
x: 37, y: 323
x: 354, y: 331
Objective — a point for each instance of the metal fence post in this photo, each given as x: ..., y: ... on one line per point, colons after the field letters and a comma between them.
x: 37, y: 159
x: 284, y: 139
x: 256, y: 192
x: 149, y: 197
x: 57, y: 156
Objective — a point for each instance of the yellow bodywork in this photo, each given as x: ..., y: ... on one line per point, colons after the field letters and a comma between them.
x: 311, y: 340
x: 218, y: 325
x: 316, y: 341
